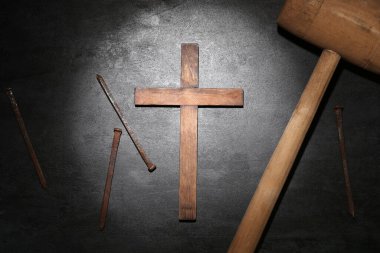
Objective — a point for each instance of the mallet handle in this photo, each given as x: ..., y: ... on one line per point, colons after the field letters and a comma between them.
x: 25, y: 135
x: 342, y: 147
x: 103, y: 84
x: 276, y: 173
x: 111, y: 169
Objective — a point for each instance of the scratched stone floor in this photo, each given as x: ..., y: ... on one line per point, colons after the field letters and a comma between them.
x: 50, y: 53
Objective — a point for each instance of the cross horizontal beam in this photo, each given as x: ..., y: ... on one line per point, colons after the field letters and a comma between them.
x: 189, y: 96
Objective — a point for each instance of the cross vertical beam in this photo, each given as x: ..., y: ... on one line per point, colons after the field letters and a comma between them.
x: 189, y: 135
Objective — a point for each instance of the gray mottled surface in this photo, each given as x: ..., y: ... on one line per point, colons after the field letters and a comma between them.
x: 50, y: 53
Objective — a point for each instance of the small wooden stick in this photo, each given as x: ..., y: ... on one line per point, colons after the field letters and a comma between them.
x: 107, y: 188
x: 103, y: 84
x: 25, y: 135
x: 339, y: 123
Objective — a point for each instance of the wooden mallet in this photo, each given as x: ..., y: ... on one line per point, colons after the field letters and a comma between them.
x: 348, y: 29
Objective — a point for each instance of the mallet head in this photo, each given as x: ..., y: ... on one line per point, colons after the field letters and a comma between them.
x: 350, y: 27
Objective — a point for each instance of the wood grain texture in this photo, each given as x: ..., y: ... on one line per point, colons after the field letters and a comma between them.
x: 189, y: 96
x: 350, y: 28
x: 188, y: 163
x: 277, y: 171
x: 189, y: 136
x: 189, y: 65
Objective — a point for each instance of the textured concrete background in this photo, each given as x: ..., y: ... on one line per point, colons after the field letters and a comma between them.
x: 50, y: 53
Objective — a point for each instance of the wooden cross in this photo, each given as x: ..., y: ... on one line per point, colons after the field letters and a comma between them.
x: 189, y: 97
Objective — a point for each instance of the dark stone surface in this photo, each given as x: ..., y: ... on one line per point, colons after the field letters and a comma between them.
x: 50, y: 53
